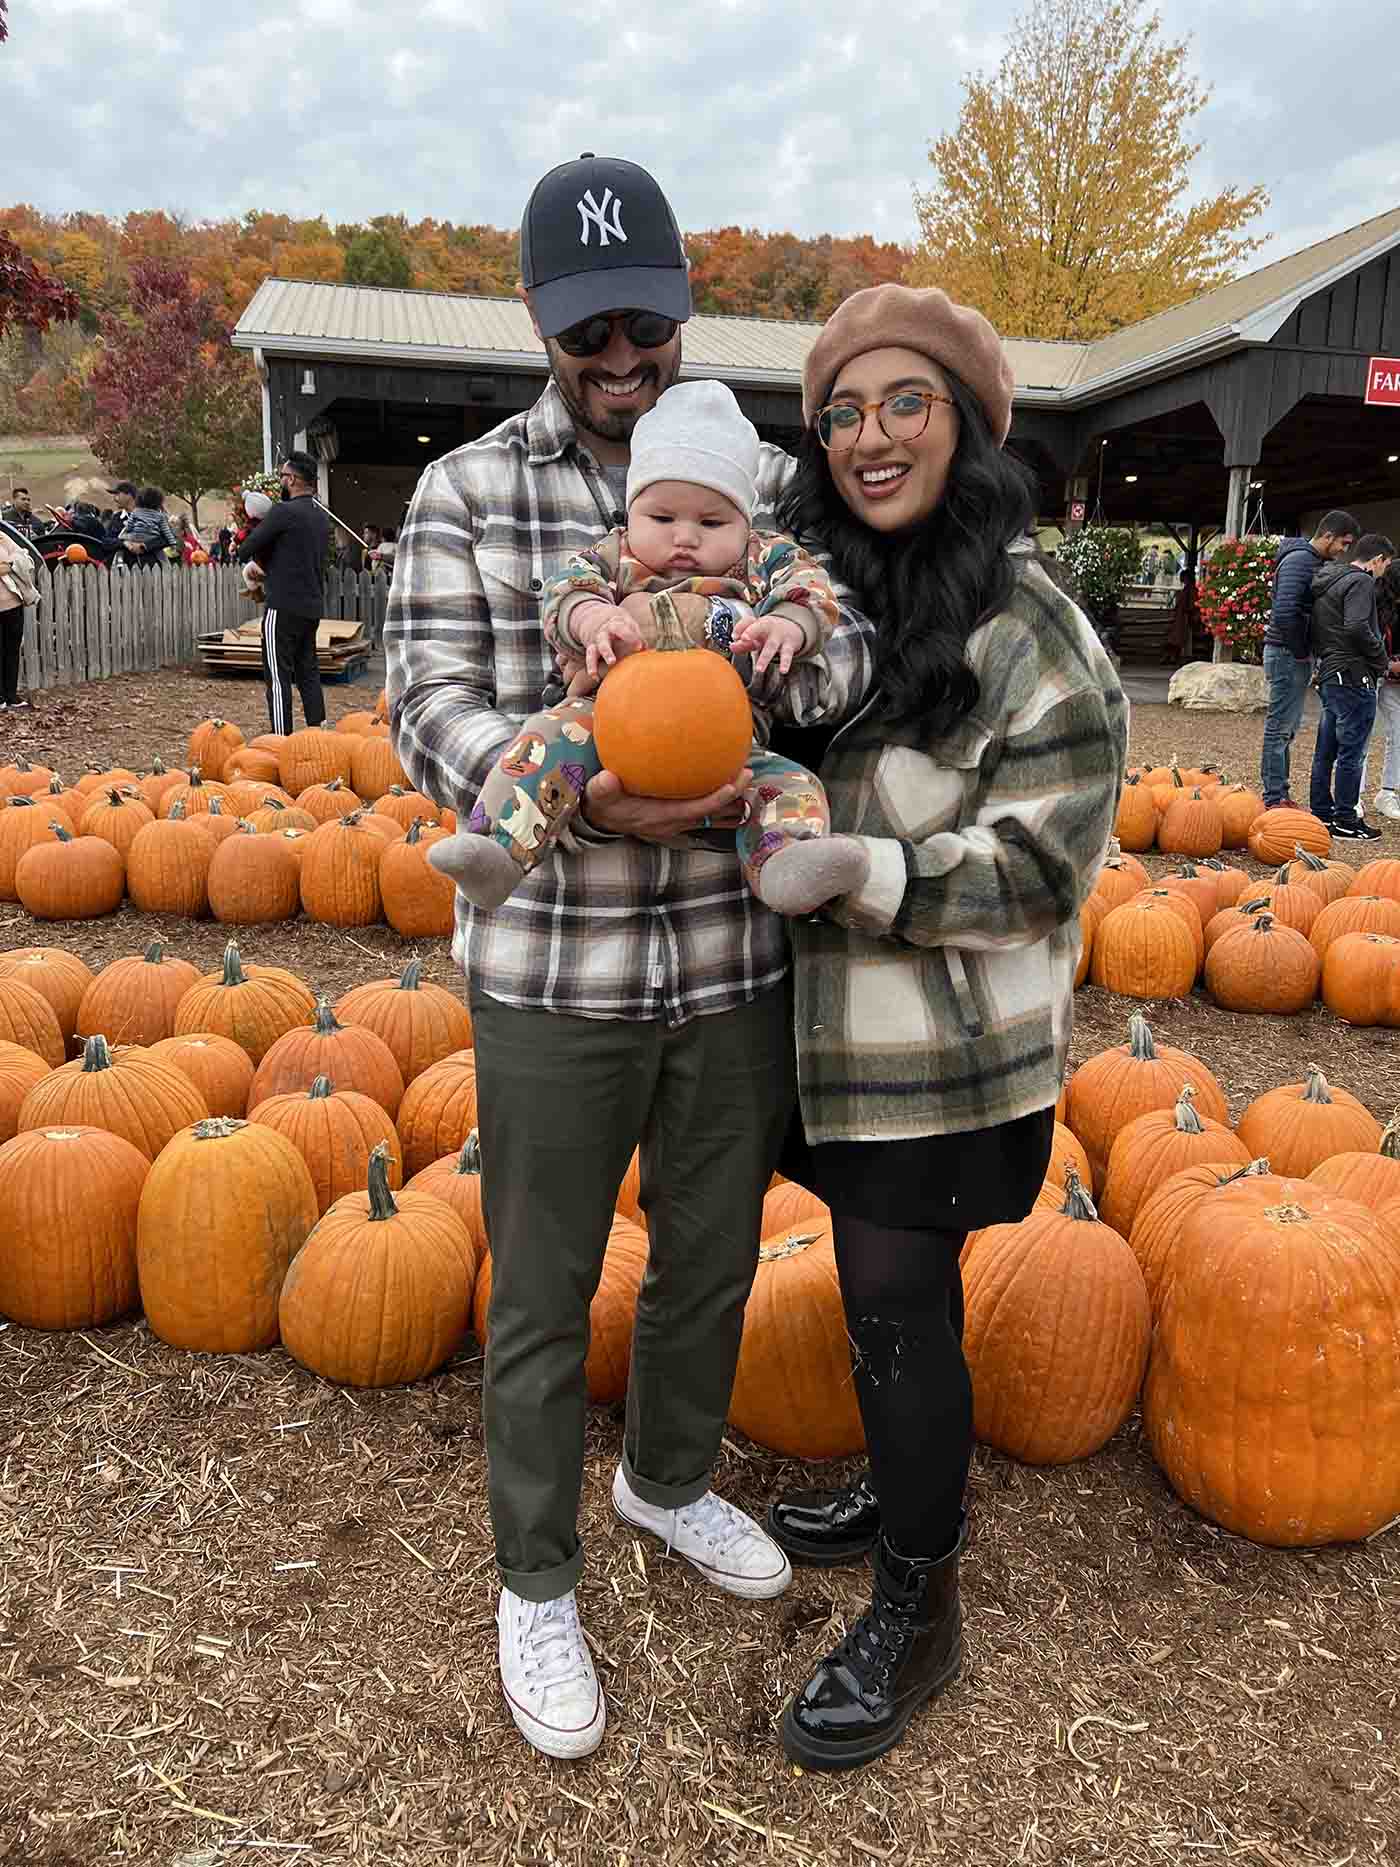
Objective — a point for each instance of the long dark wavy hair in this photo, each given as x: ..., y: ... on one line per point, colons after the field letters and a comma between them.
x: 928, y: 588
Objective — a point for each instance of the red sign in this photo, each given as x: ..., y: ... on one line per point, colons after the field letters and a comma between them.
x: 1076, y: 512
x: 1383, y: 380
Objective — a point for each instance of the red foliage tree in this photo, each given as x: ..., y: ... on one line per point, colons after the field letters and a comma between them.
x: 174, y: 404
x: 27, y: 294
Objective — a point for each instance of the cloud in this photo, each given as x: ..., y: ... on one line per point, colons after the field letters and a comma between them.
x: 812, y: 116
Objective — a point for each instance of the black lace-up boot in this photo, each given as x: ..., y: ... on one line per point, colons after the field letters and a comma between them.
x: 857, y: 1704
x: 825, y: 1528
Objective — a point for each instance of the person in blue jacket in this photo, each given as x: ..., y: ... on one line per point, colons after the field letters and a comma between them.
x: 1287, y: 663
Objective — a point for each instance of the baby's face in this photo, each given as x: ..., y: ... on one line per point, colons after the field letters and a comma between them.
x: 680, y: 530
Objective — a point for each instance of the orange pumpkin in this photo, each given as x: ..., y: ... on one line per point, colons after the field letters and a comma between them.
x: 1276, y: 834
x: 1299, y: 1125
x: 1111, y: 1088
x: 1152, y: 1147
x: 420, y: 1022
x: 352, y: 1055
x: 335, y: 1131
x: 128, y: 1093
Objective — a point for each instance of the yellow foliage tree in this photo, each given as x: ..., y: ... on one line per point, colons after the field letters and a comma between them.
x: 1060, y: 208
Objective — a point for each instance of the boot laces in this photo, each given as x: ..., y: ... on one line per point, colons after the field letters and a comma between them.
x: 875, y: 1643
x: 552, y: 1648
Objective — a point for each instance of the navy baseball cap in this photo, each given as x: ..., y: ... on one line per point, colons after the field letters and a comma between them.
x: 599, y: 235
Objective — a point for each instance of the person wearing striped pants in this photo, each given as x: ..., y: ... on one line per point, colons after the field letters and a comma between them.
x: 290, y: 543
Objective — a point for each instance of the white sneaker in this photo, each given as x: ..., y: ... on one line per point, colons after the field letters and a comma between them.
x: 1388, y: 805
x: 547, y: 1675
x: 723, y: 1543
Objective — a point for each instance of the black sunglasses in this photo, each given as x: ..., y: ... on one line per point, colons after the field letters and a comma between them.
x: 644, y: 330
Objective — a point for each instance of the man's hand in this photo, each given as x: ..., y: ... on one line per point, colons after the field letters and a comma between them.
x: 763, y: 637
x: 606, y: 806
x: 607, y: 633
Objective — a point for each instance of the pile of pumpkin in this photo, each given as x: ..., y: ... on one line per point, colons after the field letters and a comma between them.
x: 1244, y: 1283
x: 228, y: 1152
x: 321, y: 822
x: 1313, y: 927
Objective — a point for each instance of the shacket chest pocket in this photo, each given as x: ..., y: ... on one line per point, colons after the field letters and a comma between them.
x: 513, y: 584
x: 921, y: 790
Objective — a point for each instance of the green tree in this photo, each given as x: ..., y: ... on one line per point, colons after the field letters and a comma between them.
x: 1061, y: 207
x: 376, y: 257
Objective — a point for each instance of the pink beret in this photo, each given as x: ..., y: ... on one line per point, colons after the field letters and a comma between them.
x: 925, y: 319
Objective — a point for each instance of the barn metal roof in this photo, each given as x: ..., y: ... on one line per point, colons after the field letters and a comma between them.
x: 294, y: 318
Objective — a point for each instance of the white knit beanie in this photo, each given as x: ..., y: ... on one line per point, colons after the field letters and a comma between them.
x: 697, y: 433
x: 256, y: 505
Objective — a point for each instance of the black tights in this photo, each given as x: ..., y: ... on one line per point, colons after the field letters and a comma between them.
x: 903, y: 1297
x: 11, y: 635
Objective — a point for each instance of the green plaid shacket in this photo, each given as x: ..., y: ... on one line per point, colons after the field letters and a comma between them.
x: 938, y: 999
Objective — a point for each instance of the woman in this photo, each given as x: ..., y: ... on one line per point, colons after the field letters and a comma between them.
x: 146, y: 535
x: 1388, y: 691
x: 933, y: 1003
x: 18, y: 589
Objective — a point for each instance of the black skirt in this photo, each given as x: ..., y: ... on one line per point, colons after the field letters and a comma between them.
x: 940, y: 1182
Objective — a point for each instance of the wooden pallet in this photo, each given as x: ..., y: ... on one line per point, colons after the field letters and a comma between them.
x: 342, y: 647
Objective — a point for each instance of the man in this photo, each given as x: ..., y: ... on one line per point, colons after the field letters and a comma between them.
x: 290, y: 544
x: 21, y: 514
x: 1350, y: 653
x: 1287, y: 665
x: 630, y: 993
x: 125, y: 495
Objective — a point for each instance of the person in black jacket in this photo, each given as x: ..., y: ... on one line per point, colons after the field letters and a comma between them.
x: 291, y: 544
x: 1286, y: 661
x: 1350, y: 658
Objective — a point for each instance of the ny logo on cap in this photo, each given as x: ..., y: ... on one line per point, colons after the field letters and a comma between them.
x: 591, y: 211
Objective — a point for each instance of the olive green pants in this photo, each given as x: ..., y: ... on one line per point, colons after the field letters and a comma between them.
x: 563, y: 1102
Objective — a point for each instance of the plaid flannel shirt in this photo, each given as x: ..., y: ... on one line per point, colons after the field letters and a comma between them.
x: 613, y: 927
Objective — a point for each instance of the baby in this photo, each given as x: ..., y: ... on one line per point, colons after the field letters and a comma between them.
x: 257, y: 506
x: 687, y: 555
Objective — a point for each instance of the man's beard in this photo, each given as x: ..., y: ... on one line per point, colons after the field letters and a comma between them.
x: 609, y: 427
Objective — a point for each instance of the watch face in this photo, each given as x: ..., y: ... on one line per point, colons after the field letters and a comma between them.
x: 721, y: 623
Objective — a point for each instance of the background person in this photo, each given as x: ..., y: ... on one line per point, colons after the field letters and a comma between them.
x: 146, y: 535
x: 1349, y: 653
x: 1287, y: 663
x: 933, y: 1000
x: 637, y: 963
x: 21, y: 514
x: 290, y: 543
x: 124, y: 493
x: 1387, y: 802
x: 19, y: 590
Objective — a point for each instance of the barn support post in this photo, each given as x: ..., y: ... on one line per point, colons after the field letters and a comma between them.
x: 1236, y: 502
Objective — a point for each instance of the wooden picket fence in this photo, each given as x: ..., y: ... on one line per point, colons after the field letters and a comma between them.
x: 93, y: 622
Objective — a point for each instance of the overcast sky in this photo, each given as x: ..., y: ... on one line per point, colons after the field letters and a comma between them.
x: 813, y: 116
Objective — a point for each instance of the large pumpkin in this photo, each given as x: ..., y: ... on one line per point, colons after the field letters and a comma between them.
x: 1239, y: 809
x: 20, y: 1069
x: 24, y: 825
x: 167, y: 869
x: 330, y: 801
x: 1276, y: 834
x: 220, y: 1070
x: 1263, y: 966
x: 1191, y: 826
x: 1273, y: 1396
x: 29, y: 1020
x: 73, y: 878
x: 419, y: 903
x: 116, y: 818
x: 353, y: 1056
x: 672, y: 721
x: 1114, y: 1086
x: 340, y: 873
x: 1056, y: 1332
x: 1135, y: 825
x: 793, y: 1390
x: 1160, y: 1217
x: 335, y: 1131
x: 610, y: 1315
x: 1360, y: 979
x: 438, y: 1110
x: 253, y: 1005
x: 456, y: 1180
x: 212, y: 744
x: 313, y: 756
x: 196, y: 796
x: 1381, y: 877
x: 68, y: 1241
x: 1299, y: 1125
x: 1372, y: 1179
x: 375, y: 767
x: 1353, y: 914
x: 382, y: 1289
x: 1144, y: 950
x: 253, y: 880
x: 420, y: 1022
x: 56, y: 975
x: 134, y: 1000
x: 225, y: 1209
x: 1152, y: 1147
x: 1328, y: 880
x: 127, y: 1092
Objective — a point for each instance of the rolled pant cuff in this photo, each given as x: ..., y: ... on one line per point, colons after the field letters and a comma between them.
x: 544, y: 1584
x: 664, y: 1497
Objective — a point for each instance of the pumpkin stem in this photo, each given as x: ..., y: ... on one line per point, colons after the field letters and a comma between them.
x: 56, y: 786
x: 96, y: 1055
x: 1264, y: 922
x: 335, y: 784
x: 1309, y: 860
x: 155, y: 953
x: 272, y: 803
x: 1187, y: 870
x: 381, y: 1200
x: 22, y: 802
x: 397, y: 790
x: 325, y: 1023
x: 469, y: 1160
x: 1316, y: 1090
x: 233, y: 965
x: 196, y: 782
x: 1140, y: 1043
x: 415, y: 831
x: 157, y: 766
x: 217, y: 1128
x: 64, y: 836
x: 1257, y: 906
x: 412, y: 975
x: 1255, y: 1170
x: 1390, y: 1139
x: 115, y: 795
x: 1078, y: 1204
x: 670, y: 634
x: 177, y: 809
x: 321, y: 1090
x: 1187, y: 1120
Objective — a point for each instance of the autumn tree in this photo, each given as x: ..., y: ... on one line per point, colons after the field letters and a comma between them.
x: 377, y: 257
x: 28, y: 295
x: 1061, y: 206
x: 174, y: 403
